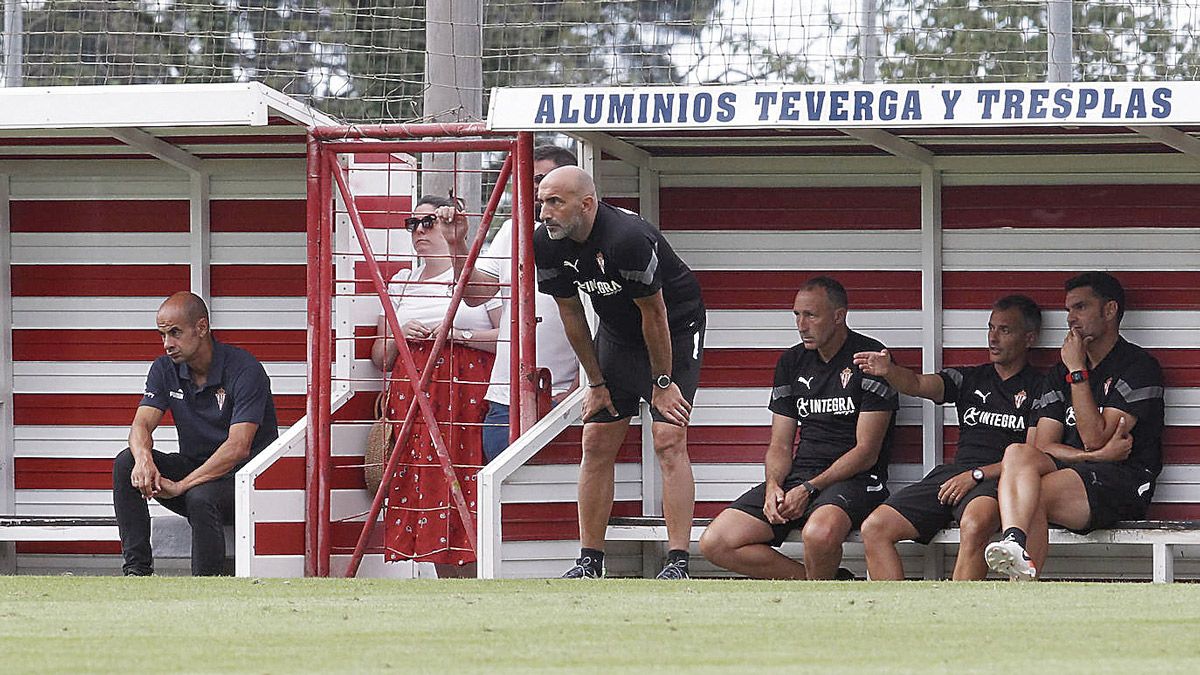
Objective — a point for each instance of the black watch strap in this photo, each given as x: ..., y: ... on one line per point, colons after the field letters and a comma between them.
x: 813, y: 490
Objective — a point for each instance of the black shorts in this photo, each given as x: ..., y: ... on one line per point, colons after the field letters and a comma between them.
x: 627, y: 373
x: 919, y: 504
x: 857, y: 496
x: 1114, y: 492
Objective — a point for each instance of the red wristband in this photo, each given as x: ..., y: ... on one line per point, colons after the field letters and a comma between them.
x: 1077, y: 376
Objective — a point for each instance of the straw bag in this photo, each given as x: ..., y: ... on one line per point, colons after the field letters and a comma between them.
x: 379, y: 444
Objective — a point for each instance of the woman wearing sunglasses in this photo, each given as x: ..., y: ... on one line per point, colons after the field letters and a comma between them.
x: 422, y: 523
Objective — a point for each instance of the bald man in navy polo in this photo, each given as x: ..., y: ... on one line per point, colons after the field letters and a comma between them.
x: 220, y: 398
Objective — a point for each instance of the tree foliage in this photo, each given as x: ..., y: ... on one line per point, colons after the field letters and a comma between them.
x: 1006, y: 40
x: 356, y: 59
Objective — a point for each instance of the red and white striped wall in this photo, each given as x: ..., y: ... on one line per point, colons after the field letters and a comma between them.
x: 754, y: 228
x: 96, y: 246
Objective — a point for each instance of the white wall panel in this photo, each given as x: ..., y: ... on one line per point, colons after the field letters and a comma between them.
x: 124, y: 377
x: 253, y: 248
x: 1149, y: 329
x: 1037, y: 249
x: 152, y: 179
x: 756, y: 250
x: 776, y: 329
x: 84, y: 442
x: 138, y: 313
x: 109, y: 248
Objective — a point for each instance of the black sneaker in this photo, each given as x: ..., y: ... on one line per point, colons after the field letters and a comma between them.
x: 674, y: 569
x: 844, y: 574
x: 585, y: 568
x: 138, y: 573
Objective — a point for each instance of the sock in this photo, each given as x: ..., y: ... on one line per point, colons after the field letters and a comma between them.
x: 678, y: 555
x: 596, y: 557
x: 1015, y: 534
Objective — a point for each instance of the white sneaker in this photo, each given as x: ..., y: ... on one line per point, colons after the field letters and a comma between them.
x: 1007, y: 558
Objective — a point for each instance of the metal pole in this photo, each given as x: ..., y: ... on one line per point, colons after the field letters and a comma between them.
x: 1058, y: 47
x: 8, y: 551
x: 315, y: 168
x: 323, y: 367
x: 869, y: 43
x: 526, y: 325
x: 14, y: 47
x: 453, y: 90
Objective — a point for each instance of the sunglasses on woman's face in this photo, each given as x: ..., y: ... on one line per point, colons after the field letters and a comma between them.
x: 424, y: 222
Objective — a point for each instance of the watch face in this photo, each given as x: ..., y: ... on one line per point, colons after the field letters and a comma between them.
x: 663, y: 381
x: 977, y: 474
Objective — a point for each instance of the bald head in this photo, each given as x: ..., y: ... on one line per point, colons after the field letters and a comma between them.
x: 568, y: 198
x: 184, y: 307
x: 183, y: 326
x: 572, y: 180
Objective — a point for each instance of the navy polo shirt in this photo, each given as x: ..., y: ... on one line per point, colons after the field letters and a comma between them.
x: 238, y: 390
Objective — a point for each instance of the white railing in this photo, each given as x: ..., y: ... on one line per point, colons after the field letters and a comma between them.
x: 491, y: 478
x: 289, y: 442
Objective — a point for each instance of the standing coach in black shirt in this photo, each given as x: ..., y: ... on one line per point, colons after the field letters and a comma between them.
x: 220, y: 398
x: 648, y: 346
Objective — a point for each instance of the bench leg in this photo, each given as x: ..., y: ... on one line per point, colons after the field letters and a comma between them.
x: 8, y: 557
x: 1164, y: 563
x: 934, y: 563
x: 652, y: 556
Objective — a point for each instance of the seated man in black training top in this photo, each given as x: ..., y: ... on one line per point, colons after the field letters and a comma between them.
x: 1099, y: 435
x: 220, y: 397
x: 995, y: 409
x: 837, y: 474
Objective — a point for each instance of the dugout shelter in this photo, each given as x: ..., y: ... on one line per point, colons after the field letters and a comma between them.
x: 926, y: 201
x: 113, y: 198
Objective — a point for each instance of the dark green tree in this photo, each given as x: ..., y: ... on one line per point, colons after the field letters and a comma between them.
x: 1003, y: 40
x: 360, y: 60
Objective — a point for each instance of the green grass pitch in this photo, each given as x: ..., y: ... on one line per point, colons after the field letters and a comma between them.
x: 167, y: 625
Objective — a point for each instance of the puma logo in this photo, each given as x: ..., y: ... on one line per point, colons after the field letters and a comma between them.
x: 572, y: 264
x: 875, y: 488
x: 982, y: 396
x: 1143, y: 489
x: 806, y: 381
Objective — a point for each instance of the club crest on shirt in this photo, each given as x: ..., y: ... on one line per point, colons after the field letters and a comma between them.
x: 1019, y: 398
x: 221, y: 398
x: 846, y: 377
x: 600, y: 262
x: 1107, y: 384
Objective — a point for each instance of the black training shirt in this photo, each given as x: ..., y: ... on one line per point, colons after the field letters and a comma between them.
x: 1128, y: 379
x: 826, y: 399
x: 992, y: 412
x: 237, y: 390
x: 623, y: 258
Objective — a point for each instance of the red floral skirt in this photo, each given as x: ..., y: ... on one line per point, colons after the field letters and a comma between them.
x: 422, y: 522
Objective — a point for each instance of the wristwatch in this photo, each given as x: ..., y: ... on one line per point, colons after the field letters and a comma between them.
x: 465, y: 334
x: 662, y: 381
x: 977, y: 474
x: 813, y: 490
x: 1077, y: 376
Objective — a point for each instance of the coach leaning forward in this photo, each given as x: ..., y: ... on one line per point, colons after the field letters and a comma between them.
x: 220, y: 397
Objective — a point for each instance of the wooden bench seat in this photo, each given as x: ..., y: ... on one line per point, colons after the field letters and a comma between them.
x: 1163, y: 536
x: 58, y: 528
